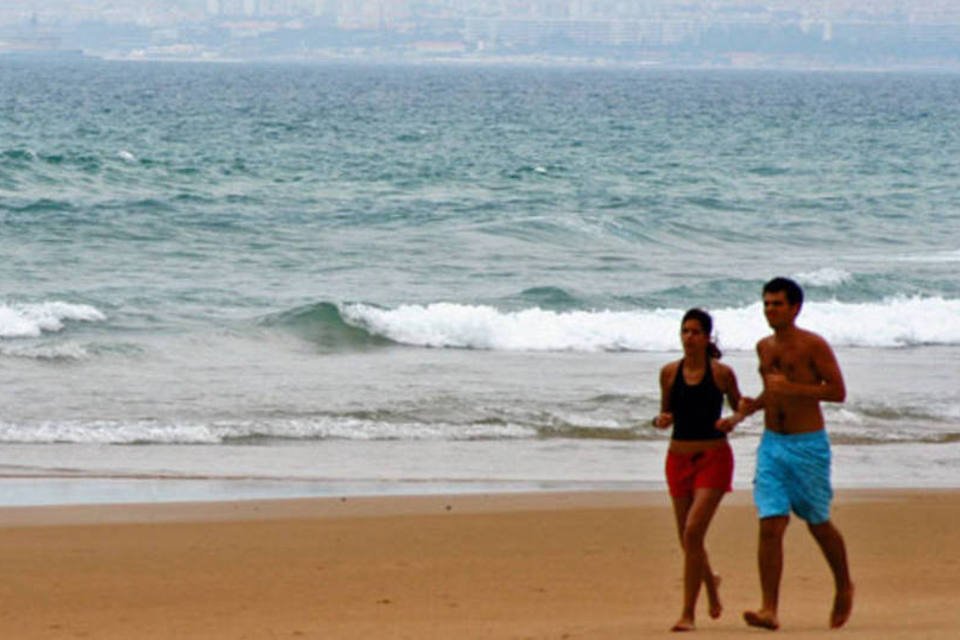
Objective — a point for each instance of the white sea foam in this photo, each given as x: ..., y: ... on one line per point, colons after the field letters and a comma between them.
x: 484, y: 327
x: 68, y: 351
x: 825, y: 277
x: 895, y: 322
x: 321, y: 428
x: 938, y: 257
x: 33, y: 320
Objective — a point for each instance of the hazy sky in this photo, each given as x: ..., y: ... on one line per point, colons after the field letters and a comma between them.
x: 110, y: 10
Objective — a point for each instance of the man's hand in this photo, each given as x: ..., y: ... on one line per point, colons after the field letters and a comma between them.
x: 748, y: 406
x: 775, y: 383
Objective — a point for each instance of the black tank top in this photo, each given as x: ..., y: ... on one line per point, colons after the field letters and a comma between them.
x: 696, y: 408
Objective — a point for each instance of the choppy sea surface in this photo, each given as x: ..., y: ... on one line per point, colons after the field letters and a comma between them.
x: 382, y: 279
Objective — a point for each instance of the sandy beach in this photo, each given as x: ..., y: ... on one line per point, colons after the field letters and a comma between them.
x: 526, y: 565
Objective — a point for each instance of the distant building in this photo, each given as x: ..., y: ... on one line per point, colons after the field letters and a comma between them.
x: 30, y: 38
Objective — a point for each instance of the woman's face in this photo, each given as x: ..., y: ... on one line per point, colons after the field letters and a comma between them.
x: 693, y: 338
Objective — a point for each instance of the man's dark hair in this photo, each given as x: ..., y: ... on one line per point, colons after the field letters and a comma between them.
x: 788, y: 286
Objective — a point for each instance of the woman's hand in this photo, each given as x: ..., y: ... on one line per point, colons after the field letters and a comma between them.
x: 728, y: 423
x: 663, y: 420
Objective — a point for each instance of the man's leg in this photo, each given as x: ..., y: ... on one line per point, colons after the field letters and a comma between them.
x: 770, y: 562
x: 835, y: 551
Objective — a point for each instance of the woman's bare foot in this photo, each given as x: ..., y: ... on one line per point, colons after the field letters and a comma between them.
x: 842, y: 607
x: 713, y: 597
x: 683, y: 624
x: 762, y: 619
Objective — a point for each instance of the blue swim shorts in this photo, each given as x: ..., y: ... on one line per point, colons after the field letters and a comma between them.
x: 793, y: 474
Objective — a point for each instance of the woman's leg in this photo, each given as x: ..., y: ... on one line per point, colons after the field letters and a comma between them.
x: 693, y: 515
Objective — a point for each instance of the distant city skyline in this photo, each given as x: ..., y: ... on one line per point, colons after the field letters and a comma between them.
x: 802, y: 33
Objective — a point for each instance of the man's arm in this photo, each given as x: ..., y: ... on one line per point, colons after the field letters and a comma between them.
x: 748, y: 406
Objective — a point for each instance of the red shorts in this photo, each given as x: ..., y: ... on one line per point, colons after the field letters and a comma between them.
x: 710, y: 469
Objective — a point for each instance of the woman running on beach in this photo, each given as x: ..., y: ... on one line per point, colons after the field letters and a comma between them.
x: 699, y: 464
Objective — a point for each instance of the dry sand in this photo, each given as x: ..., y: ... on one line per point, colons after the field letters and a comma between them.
x: 574, y: 565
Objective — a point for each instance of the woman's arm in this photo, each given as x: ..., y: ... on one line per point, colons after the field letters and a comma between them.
x: 664, y: 419
x: 728, y: 385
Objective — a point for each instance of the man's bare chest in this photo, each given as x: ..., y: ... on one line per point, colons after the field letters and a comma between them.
x: 792, y: 362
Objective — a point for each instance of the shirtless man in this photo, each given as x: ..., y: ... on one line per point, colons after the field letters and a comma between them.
x: 799, y: 371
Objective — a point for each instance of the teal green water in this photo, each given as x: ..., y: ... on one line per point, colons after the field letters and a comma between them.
x: 297, y: 185
x: 292, y: 254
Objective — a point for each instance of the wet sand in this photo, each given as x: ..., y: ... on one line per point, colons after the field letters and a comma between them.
x: 525, y: 565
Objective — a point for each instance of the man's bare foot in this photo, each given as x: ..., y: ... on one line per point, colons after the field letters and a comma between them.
x: 762, y: 619
x: 683, y: 624
x: 713, y: 597
x: 842, y: 607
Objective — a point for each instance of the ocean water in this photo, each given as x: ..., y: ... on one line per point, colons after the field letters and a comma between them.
x: 352, y: 278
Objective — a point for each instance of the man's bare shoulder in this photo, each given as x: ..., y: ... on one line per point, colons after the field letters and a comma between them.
x: 764, y: 343
x: 812, y: 339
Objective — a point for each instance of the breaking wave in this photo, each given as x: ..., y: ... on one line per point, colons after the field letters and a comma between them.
x: 891, y: 323
x: 34, y: 320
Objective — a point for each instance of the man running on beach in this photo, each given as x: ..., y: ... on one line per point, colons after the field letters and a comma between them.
x: 799, y: 371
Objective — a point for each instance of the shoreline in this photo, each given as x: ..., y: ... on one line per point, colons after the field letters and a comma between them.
x: 29, y: 491
x: 591, y: 565
x: 532, y: 61
x: 51, y: 474
x: 397, y: 504
x: 38, y: 490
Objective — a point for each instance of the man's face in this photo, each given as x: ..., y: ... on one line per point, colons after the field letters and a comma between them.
x: 778, y: 310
